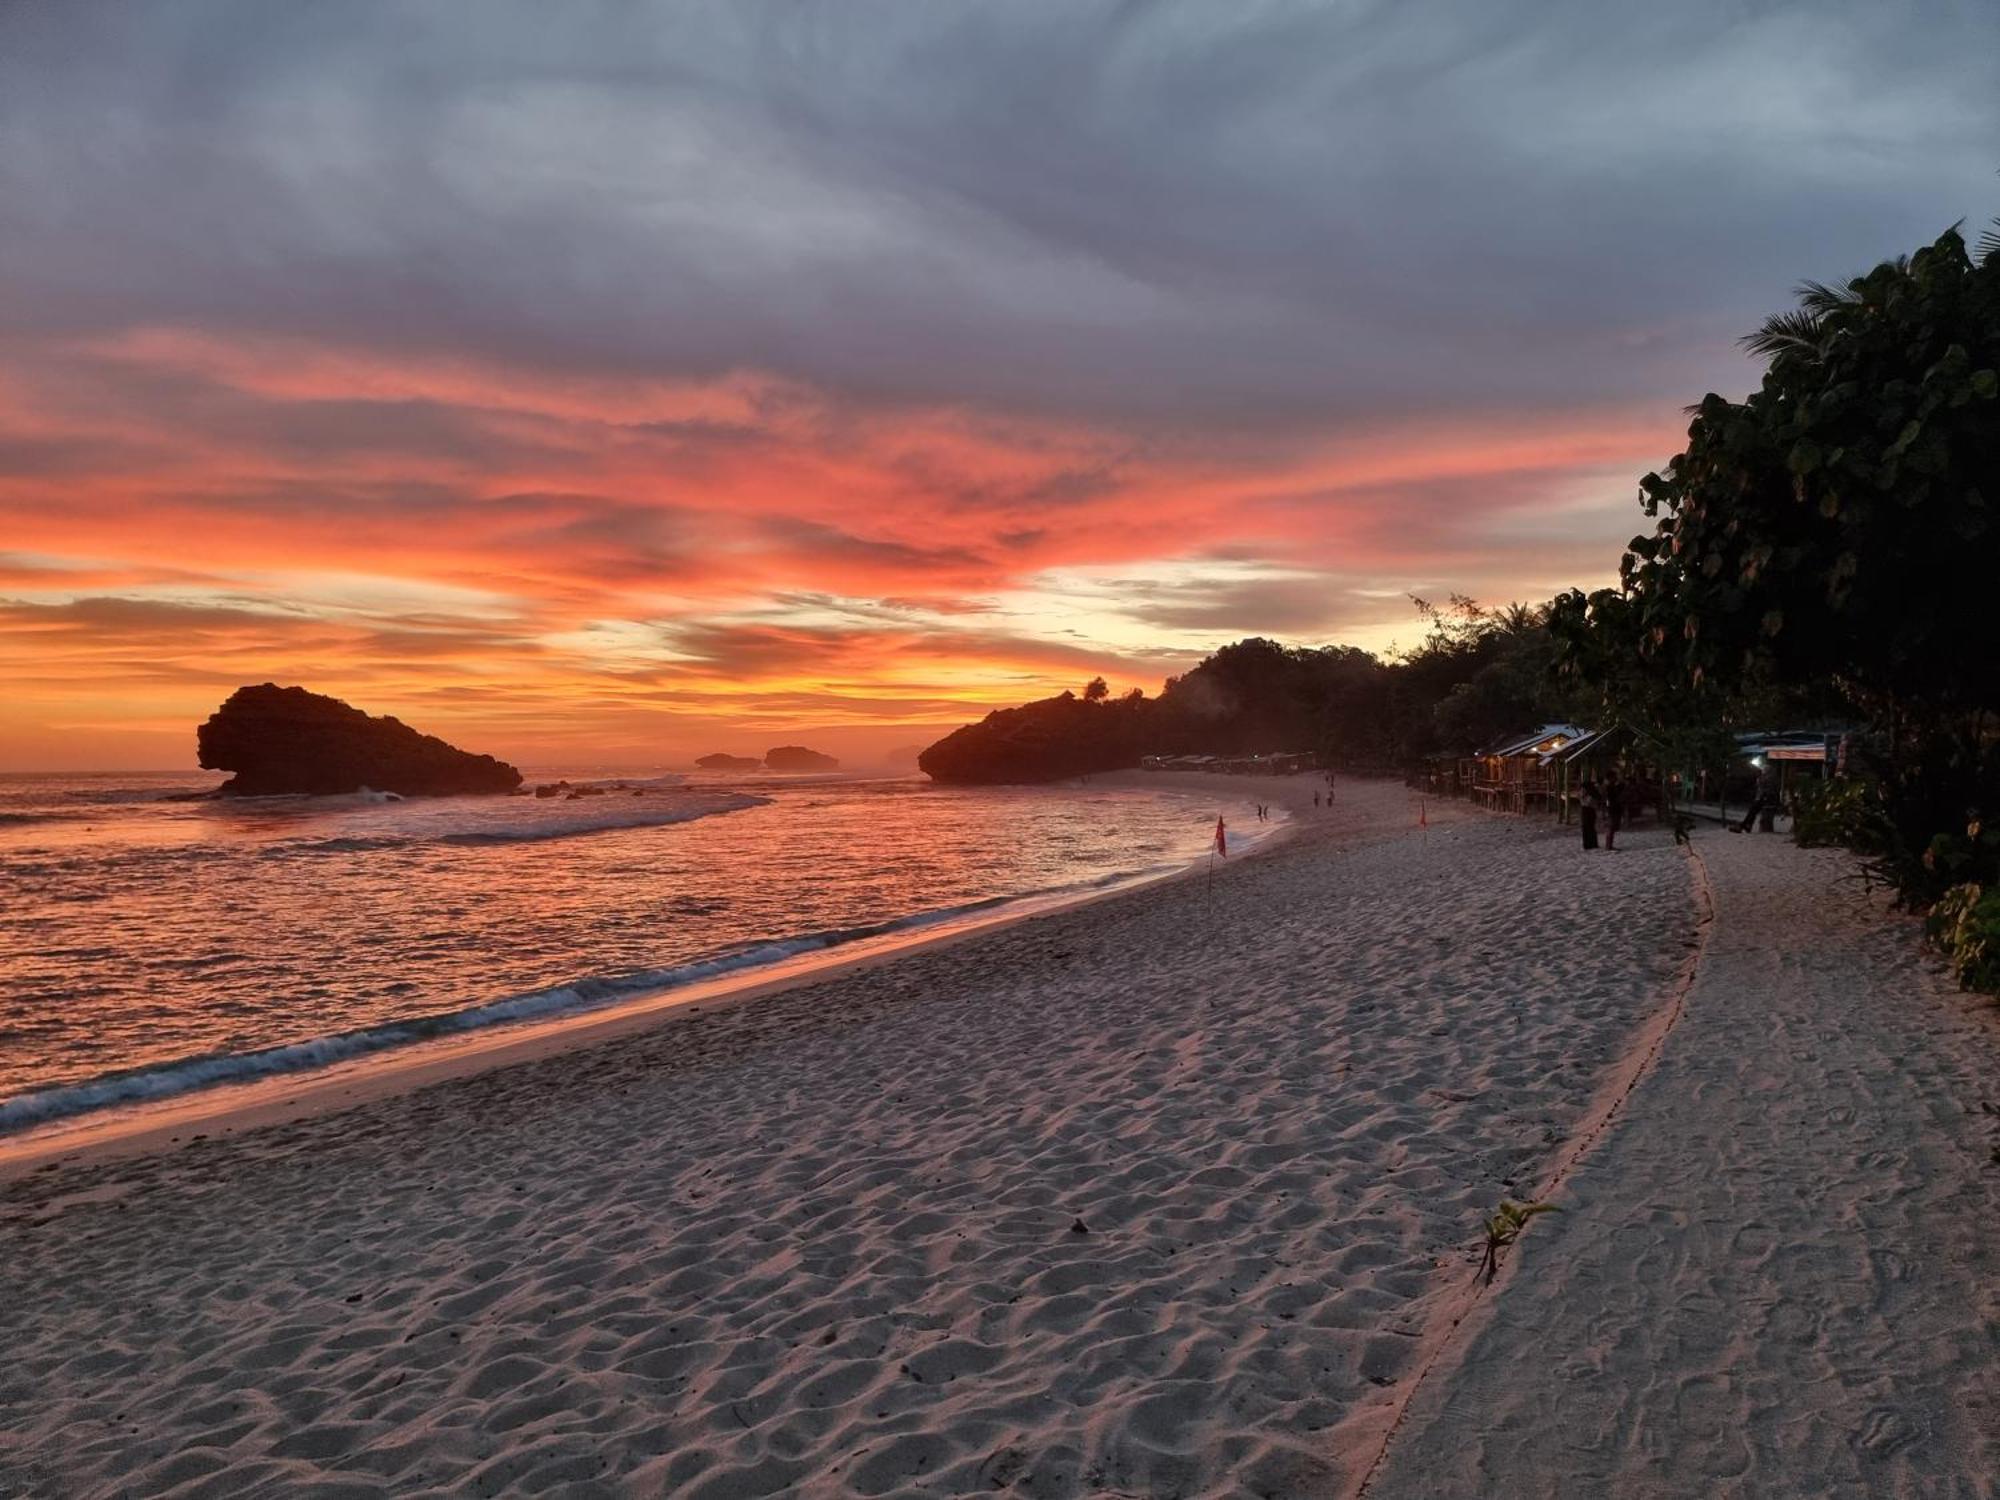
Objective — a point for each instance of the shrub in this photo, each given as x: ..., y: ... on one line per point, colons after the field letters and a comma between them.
x: 1965, y: 924
x: 1844, y: 814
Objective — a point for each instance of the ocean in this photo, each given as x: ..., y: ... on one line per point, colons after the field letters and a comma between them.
x: 151, y: 945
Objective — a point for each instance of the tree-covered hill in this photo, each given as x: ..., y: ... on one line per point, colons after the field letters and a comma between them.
x: 1476, y: 676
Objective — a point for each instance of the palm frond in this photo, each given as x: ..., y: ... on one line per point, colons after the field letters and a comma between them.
x: 1989, y: 243
x: 1797, y: 332
x: 1818, y: 298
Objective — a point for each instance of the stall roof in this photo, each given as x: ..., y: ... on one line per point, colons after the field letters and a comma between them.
x: 1563, y: 734
x: 1787, y: 744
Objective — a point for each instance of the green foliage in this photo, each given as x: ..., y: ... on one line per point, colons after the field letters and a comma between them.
x: 1839, y: 523
x: 1478, y: 674
x: 1844, y: 814
x: 1486, y: 674
x: 1836, y: 527
x: 1955, y: 858
x: 1965, y: 924
x: 1505, y: 1226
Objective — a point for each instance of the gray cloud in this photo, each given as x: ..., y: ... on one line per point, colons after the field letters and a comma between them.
x: 1248, y: 216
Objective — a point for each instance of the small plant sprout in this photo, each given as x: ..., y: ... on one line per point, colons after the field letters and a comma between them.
x: 1505, y: 1227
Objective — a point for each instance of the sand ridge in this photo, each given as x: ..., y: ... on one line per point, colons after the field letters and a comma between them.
x: 1144, y: 1198
x: 1777, y: 1276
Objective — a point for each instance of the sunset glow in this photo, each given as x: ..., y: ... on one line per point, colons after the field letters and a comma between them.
x: 579, y: 412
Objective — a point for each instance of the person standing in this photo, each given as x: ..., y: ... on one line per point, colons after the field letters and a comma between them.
x: 1588, y: 802
x: 1614, y: 811
x: 1764, y: 800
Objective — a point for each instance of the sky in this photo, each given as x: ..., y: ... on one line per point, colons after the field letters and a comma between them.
x: 625, y: 382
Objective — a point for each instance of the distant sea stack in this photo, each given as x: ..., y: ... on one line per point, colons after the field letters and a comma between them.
x: 720, y: 762
x: 798, y: 758
x: 286, y: 741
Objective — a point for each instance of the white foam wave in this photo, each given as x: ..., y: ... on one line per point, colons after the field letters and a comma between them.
x: 512, y: 821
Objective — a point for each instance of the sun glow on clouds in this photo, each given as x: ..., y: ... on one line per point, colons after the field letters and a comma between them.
x: 580, y: 564
x: 702, y: 376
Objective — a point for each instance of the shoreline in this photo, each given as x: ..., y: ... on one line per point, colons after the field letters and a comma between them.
x: 142, y: 1127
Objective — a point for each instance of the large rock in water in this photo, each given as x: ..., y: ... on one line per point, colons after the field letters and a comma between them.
x: 721, y: 762
x: 281, y: 740
x: 798, y: 758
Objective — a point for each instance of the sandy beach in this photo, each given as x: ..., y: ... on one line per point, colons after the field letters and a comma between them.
x: 1174, y: 1194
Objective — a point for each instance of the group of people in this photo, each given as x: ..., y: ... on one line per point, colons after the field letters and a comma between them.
x: 1606, y: 803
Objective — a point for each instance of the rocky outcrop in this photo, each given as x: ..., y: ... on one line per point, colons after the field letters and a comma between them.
x: 720, y: 762
x: 1050, y: 740
x: 798, y: 758
x: 281, y: 740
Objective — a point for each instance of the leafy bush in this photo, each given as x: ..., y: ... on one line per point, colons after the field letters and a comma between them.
x: 1965, y: 924
x: 1844, y: 814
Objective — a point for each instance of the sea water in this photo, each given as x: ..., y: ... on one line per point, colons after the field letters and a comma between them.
x: 151, y: 944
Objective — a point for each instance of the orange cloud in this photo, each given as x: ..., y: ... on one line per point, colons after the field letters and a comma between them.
x: 578, y: 563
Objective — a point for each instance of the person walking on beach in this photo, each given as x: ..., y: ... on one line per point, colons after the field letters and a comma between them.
x: 1614, y: 811
x: 1588, y: 801
x: 1764, y: 800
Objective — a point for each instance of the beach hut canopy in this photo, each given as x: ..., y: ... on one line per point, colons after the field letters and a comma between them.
x: 1544, y: 741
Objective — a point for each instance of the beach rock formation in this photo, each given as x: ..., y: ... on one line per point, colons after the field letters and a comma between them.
x: 798, y: 758
x: 1049, y: 740
x: 719, y: 762
x: 285, y: 740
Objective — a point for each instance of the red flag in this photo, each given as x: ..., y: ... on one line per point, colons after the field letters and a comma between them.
x: 1221, y: 839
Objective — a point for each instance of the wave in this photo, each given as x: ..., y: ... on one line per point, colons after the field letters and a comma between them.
x: 512, y: 822
x: 597, y: 992
x: 123, y: 796
x: 582, y: 823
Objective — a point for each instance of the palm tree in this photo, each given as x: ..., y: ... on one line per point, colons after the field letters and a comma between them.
x: 1823, y: 310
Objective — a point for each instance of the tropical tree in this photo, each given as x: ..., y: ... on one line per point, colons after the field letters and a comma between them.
x: 1840, y: 523
x: 1838, y: 526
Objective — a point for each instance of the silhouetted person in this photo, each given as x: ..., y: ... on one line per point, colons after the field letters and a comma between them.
x: 1588, y: 803
x: 1614, y: 811
x: 1765, y: 801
